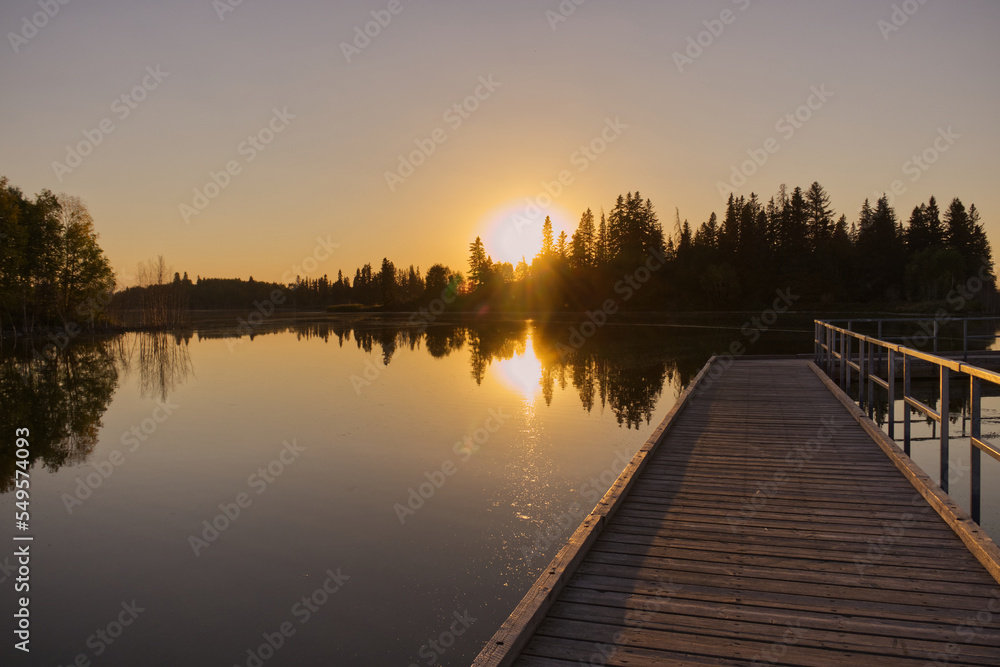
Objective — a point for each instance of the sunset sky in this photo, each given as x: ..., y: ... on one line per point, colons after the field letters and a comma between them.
x: 201, y: 78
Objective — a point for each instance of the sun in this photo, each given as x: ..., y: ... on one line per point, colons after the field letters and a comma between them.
x: 514, y: 230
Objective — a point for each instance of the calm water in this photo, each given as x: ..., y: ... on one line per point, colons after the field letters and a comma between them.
x: 374, y: 495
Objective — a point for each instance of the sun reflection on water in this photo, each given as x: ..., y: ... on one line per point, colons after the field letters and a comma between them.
x: 523, y: 372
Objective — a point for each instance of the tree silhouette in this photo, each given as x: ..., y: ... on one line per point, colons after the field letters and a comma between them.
x: 479, y: 265
x: 819, y: 217
x: 52, y: 270
x: 387, y: 282
x: 582, y: 250
x: 548, y: 245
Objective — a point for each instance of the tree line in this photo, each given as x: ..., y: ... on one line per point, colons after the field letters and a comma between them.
x: 52, y: 270
x: 793, y: 239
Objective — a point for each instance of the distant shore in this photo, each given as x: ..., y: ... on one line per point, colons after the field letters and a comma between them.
x: 234, y: 317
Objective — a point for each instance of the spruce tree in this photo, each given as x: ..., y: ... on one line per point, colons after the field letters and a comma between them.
x: 935, y: 230
x: 478, y: 261
x: 819, y: 216
x: 548, y: 244
x: 582, y: 250
x: 959, y: 228
x: 562, y: 248
x: 918, y: 233
x: 601, y: 248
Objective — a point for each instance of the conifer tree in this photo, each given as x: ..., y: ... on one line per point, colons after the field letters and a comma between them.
x: 601, y: 249
x: 582, y: 244
x: 478, y: 261
x: 548, y: 244
x: 562, y: 247
x: 819, y: 216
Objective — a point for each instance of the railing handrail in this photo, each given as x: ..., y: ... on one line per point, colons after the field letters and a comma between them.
x: 952, y: 364
x: 926, y: 318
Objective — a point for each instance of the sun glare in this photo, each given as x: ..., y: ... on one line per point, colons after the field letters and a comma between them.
x: 514, y: 230
x: 523, y: 372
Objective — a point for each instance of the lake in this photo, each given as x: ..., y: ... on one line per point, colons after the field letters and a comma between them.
x: 330, y: 490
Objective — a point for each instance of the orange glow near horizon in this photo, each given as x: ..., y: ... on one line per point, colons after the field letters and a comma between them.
x: 537, y: 140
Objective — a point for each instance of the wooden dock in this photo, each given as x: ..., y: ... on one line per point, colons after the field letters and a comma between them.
x: 766, y: 521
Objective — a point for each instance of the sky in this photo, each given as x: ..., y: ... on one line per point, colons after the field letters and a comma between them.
x: 244, y: 137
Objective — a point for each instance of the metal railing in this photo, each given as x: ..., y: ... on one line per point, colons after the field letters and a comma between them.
x: 839, y: 351
x: 932, y: 333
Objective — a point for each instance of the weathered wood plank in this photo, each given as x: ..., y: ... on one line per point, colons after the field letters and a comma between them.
x: 852, y: 592
x: 811, y: 561
x: 765, y: 629
x: 798, y: 571
x: 733, y: 544
x: 625, y: 604
x: 747, y: 650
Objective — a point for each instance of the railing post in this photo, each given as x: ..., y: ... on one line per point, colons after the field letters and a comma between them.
x: 975, y: 393
x: 816, y: 342
x: 965, y: 341
x: 861, y: 370
x: 843, y: 366
x: 907, y: 370
x: 823, y: 351
x: 826, y: 335
x: 871, y: 382
x: 833, y: 352
x: 848, y: 347
x: 891, y: 377
x: 943, y: 410
x: 880, y: 348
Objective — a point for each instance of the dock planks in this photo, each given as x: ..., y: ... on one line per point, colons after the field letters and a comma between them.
x: 764, y: 523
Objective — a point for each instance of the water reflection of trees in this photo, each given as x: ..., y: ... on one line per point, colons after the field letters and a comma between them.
x: 928, y: 392
x: 620, y: 368
x: 625, y: 368
x: 61, y: 398
x: 161, y: 360
x: 495, y: 342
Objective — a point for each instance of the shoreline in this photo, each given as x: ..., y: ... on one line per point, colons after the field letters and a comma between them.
x: 243, y: 323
